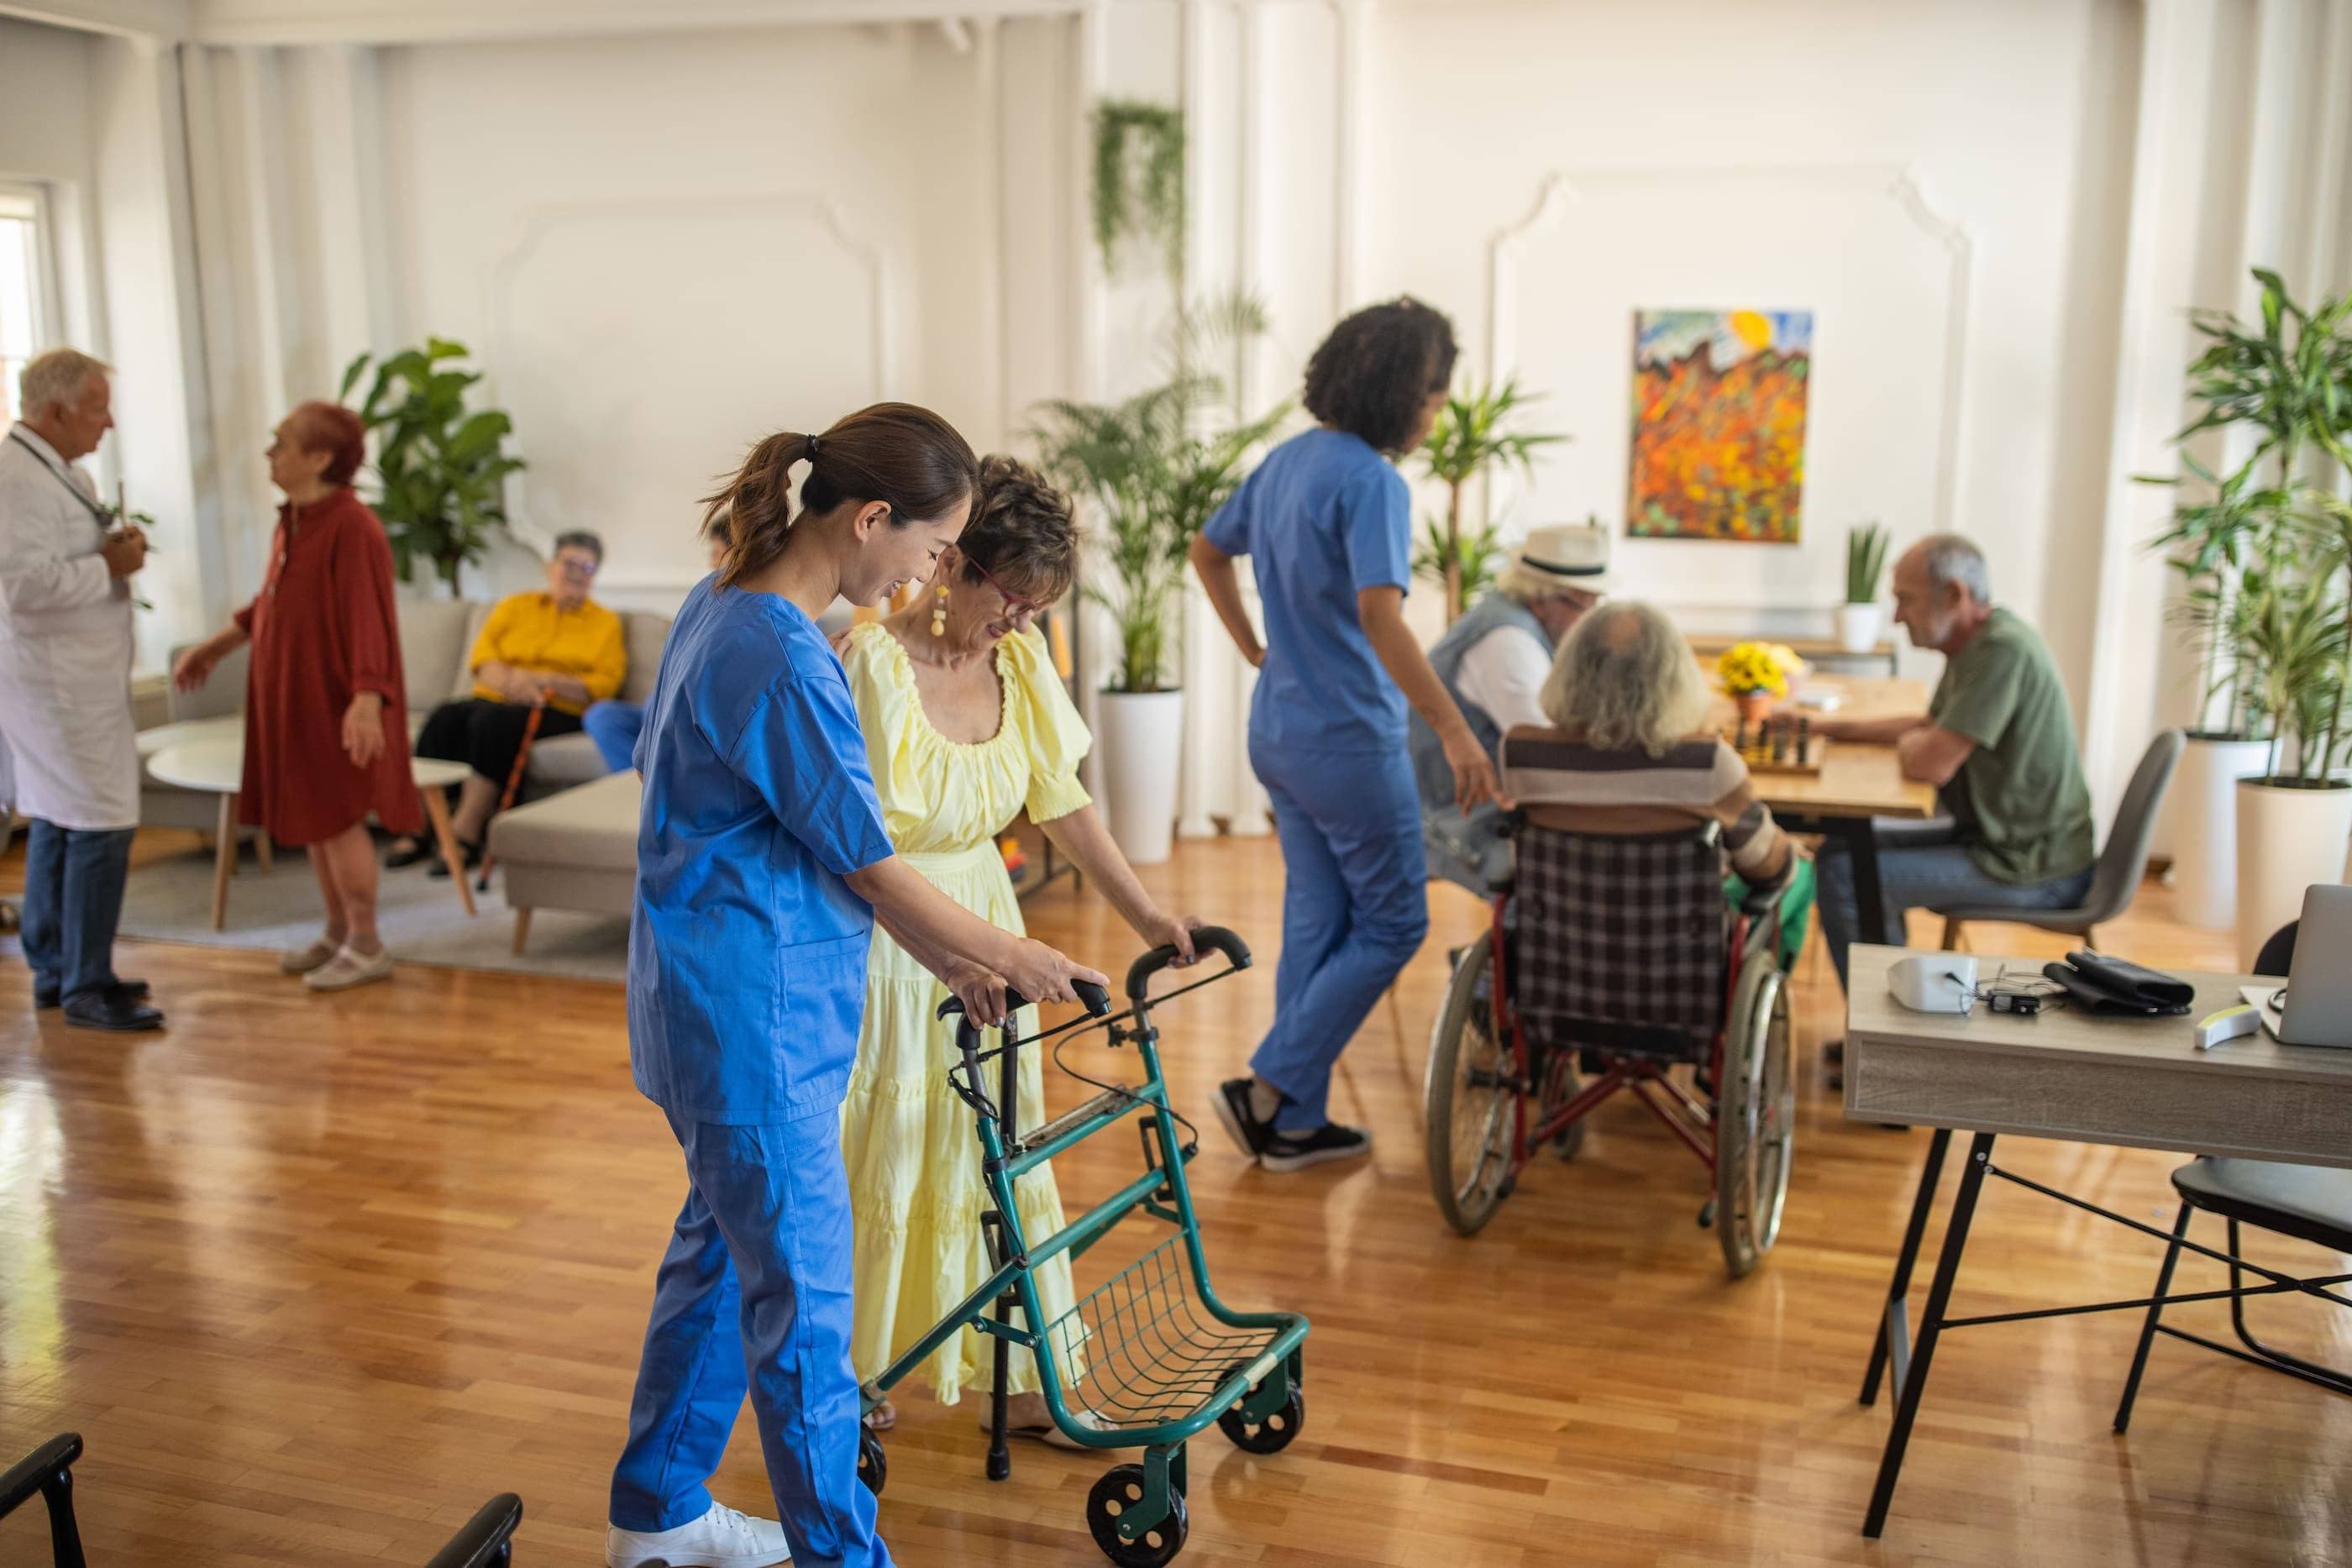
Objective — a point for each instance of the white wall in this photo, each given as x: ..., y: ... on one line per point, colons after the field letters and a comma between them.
x: 663, y: 249
x: 1711, y: 152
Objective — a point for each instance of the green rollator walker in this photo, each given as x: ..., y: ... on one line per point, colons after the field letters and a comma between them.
x: 1150, y: 1358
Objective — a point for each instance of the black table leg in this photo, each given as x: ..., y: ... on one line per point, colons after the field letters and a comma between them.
x: 1939, y: 1296
x: 1893, y: 1319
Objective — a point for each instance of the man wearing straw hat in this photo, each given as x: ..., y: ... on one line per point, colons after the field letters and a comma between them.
x: 1494, y: 661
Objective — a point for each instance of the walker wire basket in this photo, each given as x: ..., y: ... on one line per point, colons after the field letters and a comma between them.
x: 1150, y: 1357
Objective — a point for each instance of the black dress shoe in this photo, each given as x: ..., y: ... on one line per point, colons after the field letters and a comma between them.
x: 116, y: 1011
x: 472, y: 854
x: 136, y: 989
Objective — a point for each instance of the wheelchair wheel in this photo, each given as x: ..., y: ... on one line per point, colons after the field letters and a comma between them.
x: 1755, y: 1118
x: 1469, y: 1097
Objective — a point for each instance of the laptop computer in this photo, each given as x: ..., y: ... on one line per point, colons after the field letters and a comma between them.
x: 2314, y: 1005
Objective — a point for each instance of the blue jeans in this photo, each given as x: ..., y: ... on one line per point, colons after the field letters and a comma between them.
x: 615, y: 728
x: 1354, y: 910
x: 754, y: 1295
x: 74, y: 879
x: 1916, y: 873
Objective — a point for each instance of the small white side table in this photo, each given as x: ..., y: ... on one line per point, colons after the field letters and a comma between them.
x: 217, y: 766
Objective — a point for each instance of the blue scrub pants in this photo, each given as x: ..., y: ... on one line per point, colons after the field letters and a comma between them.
x: 757, y: 1276
x: 1354, y: 909
x: 615, y: 727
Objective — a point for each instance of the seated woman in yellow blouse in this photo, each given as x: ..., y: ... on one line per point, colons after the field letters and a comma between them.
x: 559, y: 649
x: 966, y: 725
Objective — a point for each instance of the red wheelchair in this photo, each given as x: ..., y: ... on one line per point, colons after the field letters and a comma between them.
x: 1614, y: 963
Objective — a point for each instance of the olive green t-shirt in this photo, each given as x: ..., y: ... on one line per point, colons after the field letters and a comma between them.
x: 2023, y: 808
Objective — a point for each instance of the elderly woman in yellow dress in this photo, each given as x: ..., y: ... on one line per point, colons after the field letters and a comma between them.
x: 966, y: 725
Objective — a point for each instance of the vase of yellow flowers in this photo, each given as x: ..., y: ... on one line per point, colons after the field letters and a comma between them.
x: 1755, y: 674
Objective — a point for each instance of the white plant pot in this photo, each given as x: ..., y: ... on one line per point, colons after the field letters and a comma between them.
x: 2287, y: 840
x: 1859, y: 626
x: 1138, y: 737
x: 2200, y: 828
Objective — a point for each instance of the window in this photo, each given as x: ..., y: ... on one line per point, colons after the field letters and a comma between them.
x: 24, y: 288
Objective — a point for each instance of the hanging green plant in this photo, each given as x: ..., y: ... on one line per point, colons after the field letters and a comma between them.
x: 1139, y: 178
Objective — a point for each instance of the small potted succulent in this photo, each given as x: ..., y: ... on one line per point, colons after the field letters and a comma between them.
x: 1861, y: 618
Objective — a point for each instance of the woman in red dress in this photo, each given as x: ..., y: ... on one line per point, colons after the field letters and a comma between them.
x: 326, y: 732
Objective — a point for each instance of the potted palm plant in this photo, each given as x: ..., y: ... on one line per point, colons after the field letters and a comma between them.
x: 440, y: 471
x: 2269, y: 554
x: 1469, y: 437
x: 1860, y: 617
x: 1155, y: 467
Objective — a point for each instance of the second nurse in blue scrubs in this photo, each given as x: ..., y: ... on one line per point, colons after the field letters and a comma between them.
x: 761, y: 862
x: 1328, y: 523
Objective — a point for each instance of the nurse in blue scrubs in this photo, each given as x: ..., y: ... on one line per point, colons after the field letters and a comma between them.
x: 762, y: 862
x: 1327, y: 521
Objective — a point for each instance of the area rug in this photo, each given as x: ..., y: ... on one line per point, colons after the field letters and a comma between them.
x: 170, y: 899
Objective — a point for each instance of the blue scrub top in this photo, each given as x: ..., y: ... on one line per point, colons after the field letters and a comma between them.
x: 746, y: 951
x: 1324, y: 517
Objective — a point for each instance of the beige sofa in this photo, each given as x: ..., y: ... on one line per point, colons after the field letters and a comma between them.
x: 436, y: 636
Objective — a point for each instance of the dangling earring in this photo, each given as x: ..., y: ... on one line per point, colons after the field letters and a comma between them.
x: 940, y: 613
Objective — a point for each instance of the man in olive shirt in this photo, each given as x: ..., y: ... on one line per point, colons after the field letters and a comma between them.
x: 1997, y: 742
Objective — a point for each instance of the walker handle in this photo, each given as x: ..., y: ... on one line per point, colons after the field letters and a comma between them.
x: 1207, y: 939
x: 1097, y: 1000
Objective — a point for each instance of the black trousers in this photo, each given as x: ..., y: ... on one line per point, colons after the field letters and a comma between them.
x: 485, y: 735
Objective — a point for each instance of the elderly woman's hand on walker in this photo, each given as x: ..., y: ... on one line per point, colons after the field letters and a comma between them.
x: 974, y: 958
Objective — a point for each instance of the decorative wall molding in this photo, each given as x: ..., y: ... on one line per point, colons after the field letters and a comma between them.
x: 537, y: 224
x: 1560, y: 193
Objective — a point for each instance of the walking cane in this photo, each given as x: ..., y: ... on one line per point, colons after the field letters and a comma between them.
x: 514, y: 782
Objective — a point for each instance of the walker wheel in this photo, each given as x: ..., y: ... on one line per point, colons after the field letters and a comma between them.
x: 873, y: 1464
x: 1120, y: 1490
x: 1272, y: 1435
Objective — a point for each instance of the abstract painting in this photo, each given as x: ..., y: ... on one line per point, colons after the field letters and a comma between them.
x: 1719, y: 424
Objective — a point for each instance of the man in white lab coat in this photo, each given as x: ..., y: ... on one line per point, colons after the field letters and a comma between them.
x: 65, y: 691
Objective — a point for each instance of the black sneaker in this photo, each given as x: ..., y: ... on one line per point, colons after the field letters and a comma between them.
x: 470, y: 853
x: 1249, y: 1133
x: 113, y: 1011
x: 404, y: 855
x: 1296, y: 1151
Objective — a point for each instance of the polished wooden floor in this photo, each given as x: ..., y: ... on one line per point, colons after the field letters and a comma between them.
x: 316, y: 1276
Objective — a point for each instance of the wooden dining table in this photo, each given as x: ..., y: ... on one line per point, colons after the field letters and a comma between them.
x: 1859, y: 782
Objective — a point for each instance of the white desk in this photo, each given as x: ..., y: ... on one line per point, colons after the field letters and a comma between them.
x: 2070, y: 1075
x: 213, y: 763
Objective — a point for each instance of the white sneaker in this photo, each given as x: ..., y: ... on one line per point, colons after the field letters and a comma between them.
x: 348, y: 968
x: 719, y: 1539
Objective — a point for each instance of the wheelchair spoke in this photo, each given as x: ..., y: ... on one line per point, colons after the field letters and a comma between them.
x: 1472, y: 1096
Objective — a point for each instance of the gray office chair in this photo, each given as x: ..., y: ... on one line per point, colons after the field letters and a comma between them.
x: 2120, y: 866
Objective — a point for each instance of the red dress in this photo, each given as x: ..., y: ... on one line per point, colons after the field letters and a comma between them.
x: 324, y: 630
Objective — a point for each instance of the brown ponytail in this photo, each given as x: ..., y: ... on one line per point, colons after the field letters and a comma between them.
x: 908, y: 458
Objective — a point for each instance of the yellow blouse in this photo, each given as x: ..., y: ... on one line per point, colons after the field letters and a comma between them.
x: 527, y: 631
x: 939, y: 795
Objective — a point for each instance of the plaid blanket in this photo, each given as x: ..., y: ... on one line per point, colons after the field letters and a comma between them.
x: 1621, y: 931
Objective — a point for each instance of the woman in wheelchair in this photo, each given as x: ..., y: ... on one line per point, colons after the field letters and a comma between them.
x: 1629, y: 754
x: 1654, y: 907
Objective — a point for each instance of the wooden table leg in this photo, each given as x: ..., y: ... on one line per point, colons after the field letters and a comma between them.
x: 224, y: 858
x: 263, y: 850
x: 437, y: 808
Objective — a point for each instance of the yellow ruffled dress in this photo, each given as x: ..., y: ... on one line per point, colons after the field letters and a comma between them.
x: 913, y: 1154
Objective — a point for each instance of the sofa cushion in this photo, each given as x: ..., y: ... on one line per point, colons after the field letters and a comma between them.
x: 432, y: 646
x: 563, y: 762
x: 594, y: 827
x: 646, y: 632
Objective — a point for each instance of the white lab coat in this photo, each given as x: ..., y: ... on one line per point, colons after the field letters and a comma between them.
x: 65, y: 646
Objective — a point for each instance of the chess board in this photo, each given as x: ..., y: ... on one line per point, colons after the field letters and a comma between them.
x: 1793, y: 751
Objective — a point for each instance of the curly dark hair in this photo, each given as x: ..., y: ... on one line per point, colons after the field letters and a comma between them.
x: 1371, y: 375
x: 1021, y: 532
